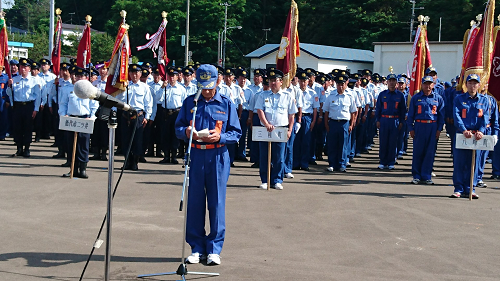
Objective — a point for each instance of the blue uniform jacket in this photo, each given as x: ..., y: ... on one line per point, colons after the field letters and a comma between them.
x: 219, y: 113
x: 450, y: 95
x: 471, y: 113
x: 426, y: 108
x: 493, y: 116
x: 4, y: 78
x: 391, y: 103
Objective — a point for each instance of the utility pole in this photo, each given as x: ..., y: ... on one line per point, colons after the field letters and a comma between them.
x: 266, y: 30
x: 186, y: 55
x: 51, y: 27
x: 413, y: 17
x: 226, y: 4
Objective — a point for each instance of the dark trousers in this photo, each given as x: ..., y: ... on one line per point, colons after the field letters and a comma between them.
x: 254, y: 147
x: 157, y: 127
x: 169, y: 140
x: 82, y: 146
x: 126, y: 132
x: 242, y: 145
x: 338, y: 143
x: 23, y: 123
x: 60, y: 136
x: 100, y: 137
x: 4, y: 121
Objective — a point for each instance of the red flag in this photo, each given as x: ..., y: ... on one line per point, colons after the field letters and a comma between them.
x: 421, y: 59
x: 159, y: 41
x: 478, y: 51
x: 289, y: 47
x: 118, y: 64
x: 56, y: 51
x: 4, y: 48
x: 494, y: 81
x: 84, y: 54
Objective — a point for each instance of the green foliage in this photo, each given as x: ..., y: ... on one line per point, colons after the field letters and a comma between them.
x: 40, y: 43
x: 102, y: 46
x: 343, y: 23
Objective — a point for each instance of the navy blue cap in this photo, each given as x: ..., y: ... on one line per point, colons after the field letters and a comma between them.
x: 259, y: 72
x: 275, y: 74
x: 401, y: 80
x: 366, y: 72
x: 187, y: 70
x: 134, y: 68
x: 45, y: 61
x: 35, y: 65
x: 24, y: 62
x: 229, y: 71
x: 14, y: 62
x: 206, y: 75
x: 341, y: 78
x: 64, y: 65
x: 241, y: 72
x: 427, y: 79
x: 473, y: 76
x: 302, y: 75
x: 430, y: 69
x: 392, y: 76
x: 172, y: 71
x: 81, y: 71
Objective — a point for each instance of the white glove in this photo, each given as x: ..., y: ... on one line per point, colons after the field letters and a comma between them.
x: 296, y: 127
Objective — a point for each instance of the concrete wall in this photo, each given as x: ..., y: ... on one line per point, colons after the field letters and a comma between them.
x: 307, y: 61
x: 446, y: 58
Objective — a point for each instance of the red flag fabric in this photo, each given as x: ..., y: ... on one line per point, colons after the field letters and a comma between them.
x: 56, y: 51
x: 118, y: 64
x: 289, y: 48
x: 84, y: 54
x: 494, y: 81
x: 159, y: 41
x: 477, y: 54
x: 4, y: 48
x: 421, y: 59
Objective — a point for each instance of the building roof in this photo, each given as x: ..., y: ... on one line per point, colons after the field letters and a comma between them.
x: 20, y: 44
x: 78, y: 28
x: 320, y: 52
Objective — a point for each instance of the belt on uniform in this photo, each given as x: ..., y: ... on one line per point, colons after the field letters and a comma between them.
x: 390, y: 116
x: 206, y: 146
x: 340, y: 120
x: 307, y: 114
x: 172, y: 111
x: 24, y: 102
x: 80, y: 116
x: 425, y: 121
x: 133, y: 115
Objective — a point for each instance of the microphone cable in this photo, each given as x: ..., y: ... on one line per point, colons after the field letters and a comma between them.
x: 127, y: 155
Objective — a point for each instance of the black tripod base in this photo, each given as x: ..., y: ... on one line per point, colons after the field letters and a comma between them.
x: 181, y: 271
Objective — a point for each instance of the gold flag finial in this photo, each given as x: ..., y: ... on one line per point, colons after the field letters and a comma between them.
x: 58, y: 11
x: 479, y: 17
x: 2, y: 14
x: 164, y: 14
x: 420, y: 19
x: 426, y: 19
x: 123, y: 14
x: 498, y: 18
x: 391, y: 69
x: 472, y: 23
x: 88, y: 18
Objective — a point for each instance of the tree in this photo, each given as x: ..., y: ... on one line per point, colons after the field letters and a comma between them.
x: 102, y: 45
x: 30, y: 15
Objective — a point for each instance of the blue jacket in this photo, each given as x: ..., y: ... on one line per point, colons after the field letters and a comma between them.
x: 424, y: 107
x: 471, y: 113
x: 391, y: 103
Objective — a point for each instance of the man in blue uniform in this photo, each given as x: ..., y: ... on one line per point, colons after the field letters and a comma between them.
x: 390, y: 114
x: 25, y: 95
x: 210, y: 171
x: 471, y: 118
x: 4, y: 106
x: 340, y: 116
x: 71, y: 105
x: 425, y: 123
x: 276, y: 108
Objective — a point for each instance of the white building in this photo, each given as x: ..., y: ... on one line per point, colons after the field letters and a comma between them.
x: 446, y: 58
x: 73, y: 29
x: 18, y: 49
x: 319, y: 57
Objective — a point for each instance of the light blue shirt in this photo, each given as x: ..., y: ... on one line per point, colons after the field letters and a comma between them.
x: 156, y: 91
x: 172, y: 97
x: 54, y: 96
x: 224, y: 90
x: 247, y: 96
x: 253, y: 100
x: 237, y: 95
x: 354, y: 95
x: 191, y: 89
x: 311, y: 100
x: 25, y: 90
x: 48, y: 79
x: 255, y: 88
x: 70, y: 104
x: 139, y: 97
x: 296, y: 96
x: 100, y: 84
x: 339, y: 107
x: 277, y: 107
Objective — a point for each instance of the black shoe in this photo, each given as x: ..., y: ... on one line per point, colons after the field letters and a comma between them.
x: 83, y: 171
x: 174, y: 161
x: 164, y: 160
x: 149, y: 154
x: 19, y: 152
x: 296, y: 168
x: 319, y: 158
x: 96, y: 156
x: 103, y: 156
x: 255, y: 165
x: 75, y: 171
x: 37, y: 139
x: 232, y: 165
x: 313, y: 163
x: 59, y: 155
x: 67, y: 164
x: 135, y: 161
x: 180, y: 155
x: 53, y: 145
x: 305, y: 169
x: 142, y: 159
x: 26, y: 153
x: 158, y: 154
x: 495, y: 177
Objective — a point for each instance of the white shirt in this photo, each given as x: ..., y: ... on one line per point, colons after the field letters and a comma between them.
x: 339, y: 107
x: 277, y: 107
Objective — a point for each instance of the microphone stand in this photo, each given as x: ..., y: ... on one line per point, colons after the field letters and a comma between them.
x: 182, y: 269
x: 112, y: 124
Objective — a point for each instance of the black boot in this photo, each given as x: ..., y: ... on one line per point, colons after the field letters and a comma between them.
x: 83, y: 170
x: 27, y: 153
x: 135, y: 162
x: 60, y: 154
x: 103, y: 154
x: 96, y: 156
x: 19, y: 151
x: 129, y: 165
x: 75, y: 170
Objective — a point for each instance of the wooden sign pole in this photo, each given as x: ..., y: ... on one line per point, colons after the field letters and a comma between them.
x: 73, y: 156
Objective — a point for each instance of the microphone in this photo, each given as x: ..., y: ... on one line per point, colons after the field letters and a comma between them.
x: 197, y: 96
x: 85, y: 90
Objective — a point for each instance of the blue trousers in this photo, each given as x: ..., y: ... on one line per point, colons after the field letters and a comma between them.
x: 254, y: 146
x: 370, y: 128
x: 277, y: 162
x: 82, y: 146
x: 23, y: 123
x: 462, y: 159
x: 126, y: 133
x: 496, y: 160
x: 352, y: 144
x: 402, y: 138
x: 4, y: 121
x: 301, y: 147
x: 289, y: 151
x: 388, y: 137
x: 318, y: 139
x: 242, y: 145
x: 452, y: 131
x: 208, y: 175
x: 338, y: 140
x: 482, y: 155
x: 360, y: 137
x: 424, y: 151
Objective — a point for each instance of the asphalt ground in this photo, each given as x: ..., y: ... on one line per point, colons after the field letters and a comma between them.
x: 365, y: 224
